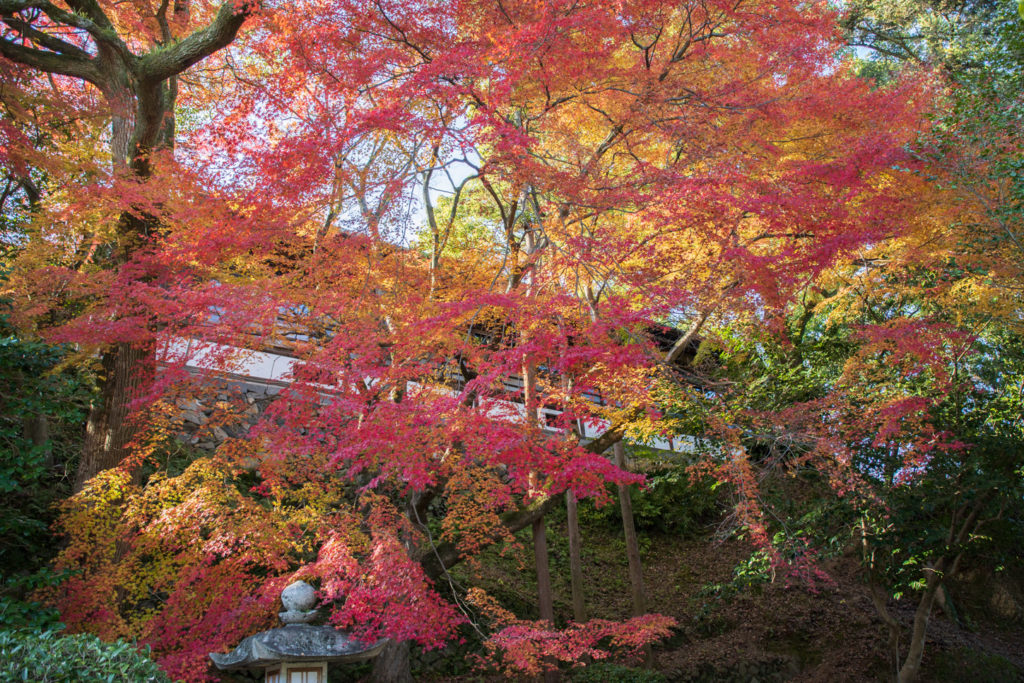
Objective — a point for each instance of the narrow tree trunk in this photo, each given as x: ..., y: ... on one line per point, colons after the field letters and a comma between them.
x: 636, y: 570
x: 964, y: 523
x: 636, y: 573
x: 879, y: 598
x: 392, y: 664
x: 545, y: 600
x: 108, y: 431
x: 37, y: 430
x: 579, y: 606
x: 945, y: 603
x: 911, y: 668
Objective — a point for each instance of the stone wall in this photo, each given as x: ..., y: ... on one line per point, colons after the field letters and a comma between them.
x: 209, y: 421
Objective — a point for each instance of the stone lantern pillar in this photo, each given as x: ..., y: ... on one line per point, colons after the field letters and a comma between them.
x: 296, y: 652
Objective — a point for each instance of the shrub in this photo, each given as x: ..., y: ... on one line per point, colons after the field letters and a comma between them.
x: 604, y: 672
x: 964, y: 665
x: 671, y: 502
x: 18, y: 607
x: 51, y: 657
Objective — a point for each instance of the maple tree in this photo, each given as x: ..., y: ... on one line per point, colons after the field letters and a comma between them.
x: 916, y: 404
x: 902, y: 368
x: 946, y: 304
x: 611, y: 167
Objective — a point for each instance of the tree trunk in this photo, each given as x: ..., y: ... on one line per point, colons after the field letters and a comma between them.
x: 141, y: 90
x: 545, y: 600
x: 945, y: 604
x: 579, y: 607
x: 136, y: 122
x: 108, y: 431
x: 636, y: 572
x: 879, y: 598
x: 37, y: 430
x: 392, y: 664
x: 911, y: 668
x: 967, y: 517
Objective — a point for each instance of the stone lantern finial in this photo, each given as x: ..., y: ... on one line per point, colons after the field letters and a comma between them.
x: 298, y: 599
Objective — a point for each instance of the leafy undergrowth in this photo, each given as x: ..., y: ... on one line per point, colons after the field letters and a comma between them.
x: 50, y: 657
x: 733, y: 626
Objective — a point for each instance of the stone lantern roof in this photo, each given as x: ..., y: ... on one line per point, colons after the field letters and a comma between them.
x: 297, y: 640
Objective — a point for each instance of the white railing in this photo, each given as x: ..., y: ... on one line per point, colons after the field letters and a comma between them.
x: 273, y: 371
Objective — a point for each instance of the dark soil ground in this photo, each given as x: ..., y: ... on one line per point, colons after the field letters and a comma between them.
x: 765, y: 631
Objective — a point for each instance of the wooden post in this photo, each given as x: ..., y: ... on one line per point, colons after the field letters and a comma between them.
x: 579, y: 607
x: 545, y: 600
x: 636, y: 574
x: 636, y: 571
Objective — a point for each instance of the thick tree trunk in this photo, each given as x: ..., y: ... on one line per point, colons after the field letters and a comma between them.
x: 122, y: 125
x: 392, y: 664
x: 108, y: 431
x: 141, y: 90
x: 136, y: 123
x: 579, y: 606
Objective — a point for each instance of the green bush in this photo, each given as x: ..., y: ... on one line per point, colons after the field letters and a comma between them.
x: 18, y: 609
x: 43, y: 405
x: 615, y: 673
x: 51, y: 657
x: 964, y: 665
x: 671, y: 502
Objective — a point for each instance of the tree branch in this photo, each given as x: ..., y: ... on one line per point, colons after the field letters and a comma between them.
x: 102, y: 31
x: 50, y: 62
x: 683, y: 342
x: 91, y: 9
x: 162, y: 64
x: 53, y: 43
x: 447, y: 555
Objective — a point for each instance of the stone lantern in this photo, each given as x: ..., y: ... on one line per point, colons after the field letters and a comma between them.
x: 296, y: 652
